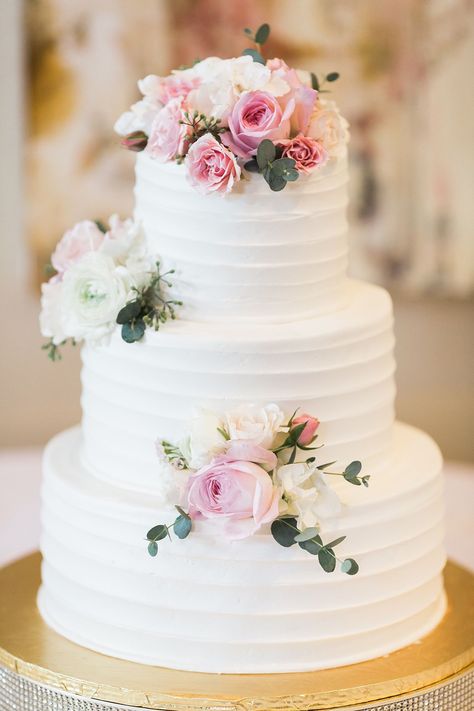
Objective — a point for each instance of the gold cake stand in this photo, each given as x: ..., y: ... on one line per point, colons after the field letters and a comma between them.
x: 41, y: 670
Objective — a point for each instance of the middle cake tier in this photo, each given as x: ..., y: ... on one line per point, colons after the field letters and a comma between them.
x: 339, y: 367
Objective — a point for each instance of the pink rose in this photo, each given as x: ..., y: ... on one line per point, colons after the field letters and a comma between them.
x: 211, y: 167
x: 82, y: 238
x: 243, y: 449
x: 168, y: 137
x: 312, y: 424
x: 255, y: 116
x: 304, y: 96
x: 307, y: 153
x: 240, y: 493
x: 175, y: 86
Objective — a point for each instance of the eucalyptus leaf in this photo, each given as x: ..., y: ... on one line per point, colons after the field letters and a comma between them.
x: 129, y: 312
x: 312, y: 546
x: 283, y: 531
x: 248, y: 31
x: 182, y: 526
x: 336, y: 542
x: 353, y: 469
x: 181, y: 511
x: 262, y: 33
x: 349, y: 566
x: 255, y: 54
x: 306, y: 535
x: 133, y: 331
x: 332, y: 76
x: 276, y: 182
x: 157, y: 533
x: 153, y: 548
x: 252, y: 166
x: 266, y: 152
x: 314, y: 81
x: 327, y: 559
x: 325, y: 466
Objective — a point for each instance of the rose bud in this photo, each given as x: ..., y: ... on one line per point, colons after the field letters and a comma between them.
x: 309, y: 431
x: 135, y: 141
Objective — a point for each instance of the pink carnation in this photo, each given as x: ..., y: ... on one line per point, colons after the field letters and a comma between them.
x: 309, y: 430
x: 168, y: 137
x: 307, y: 153
x: 211, y: 167
x: 82, y: 238
x: 257, y: 115
x: 239, y: 493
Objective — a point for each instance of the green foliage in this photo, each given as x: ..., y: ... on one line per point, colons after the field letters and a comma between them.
x: 350, y: 473
x: 285, y: 531
x: 260, y: 36
x: 224, y: 433
x: 317, y: 85
x: 255, y: 54
x: 200, y: 124
x: 276, y: 170
x: 52, y: 349
x: 332, y: 76
x: 149, y: 308
x: 174, y: 455
x: 181, y: 526
x: 101, y: 225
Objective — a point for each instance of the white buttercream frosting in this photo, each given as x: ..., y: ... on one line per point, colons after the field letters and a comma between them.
x: 248, y: 606
x: 338, y: 367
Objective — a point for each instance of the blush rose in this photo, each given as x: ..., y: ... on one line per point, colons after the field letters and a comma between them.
x: 256, y: 115
x: 307, y: 153
x: 84, y: 237
x: 168, y: 137
x: 211, y: 167
x: 309, y: 430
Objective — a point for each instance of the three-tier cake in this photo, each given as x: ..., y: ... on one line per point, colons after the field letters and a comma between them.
x: 193, y: 520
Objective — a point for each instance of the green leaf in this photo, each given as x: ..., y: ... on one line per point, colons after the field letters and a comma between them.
x: 325, y: 466
x: 276, y: 182
x: 223, y: 433
x: 262, y: 33
x: 306, y: 535
x: 133, y: 331
x: 332, y: 76
x: 252, y: 166
x: 157, y: 533
x: 313, y: 546
x: 349, y: 566
x: 283, y: 531
x: 365, y: 480
x: 255, y: 54
x: 101, y: 226
x: 335, y: 543
x: 295, y: 433
x: 182, y: 526
x: 353, y: 469
x: 314, y: 81
x: 248, y: 31
x: 285, y: 168
x: 327, y: 559
x: 153, y: 548
x: 265, y: 153
x: 129, y: 312
x: 181, y: 511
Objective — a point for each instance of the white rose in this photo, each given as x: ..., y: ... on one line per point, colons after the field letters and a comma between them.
x: 258, y: 425
x: 307, y: 493
x: 328, y: 127
x: 141, y: 114
x: 205, y: 441
x: 93, y: 292
x: 125, y: 243
x: 50, y: 316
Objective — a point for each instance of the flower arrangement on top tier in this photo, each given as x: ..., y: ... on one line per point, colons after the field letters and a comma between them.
x: 102, y: 277
x: 247, y: 468
x: 223, y: 116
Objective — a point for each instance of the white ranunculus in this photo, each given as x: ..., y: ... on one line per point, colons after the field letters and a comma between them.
x: 204, y: 441
x: 93, y: 292
x: 307, y: 494
x: 258, y: 425
x: 327, y: 126
x: 223, y: 82
x: 141, y: 114
x: 125, y: 243
x: 51, y: 324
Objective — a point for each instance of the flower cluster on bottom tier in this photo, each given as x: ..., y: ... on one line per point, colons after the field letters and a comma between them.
x: 213, y: 605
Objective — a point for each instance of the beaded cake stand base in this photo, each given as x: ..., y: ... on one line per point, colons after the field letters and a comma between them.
x: 42, y: 671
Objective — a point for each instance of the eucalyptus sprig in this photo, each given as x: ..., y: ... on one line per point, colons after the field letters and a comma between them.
x: 316, y: 84
x: 149, y: 308
x: 276, y: 170
x: 350, y: 473
x: 201, y: 124
x: 260, y: 37
x: 52, y: 349
x: 181, y: 527
x: 285, y: 531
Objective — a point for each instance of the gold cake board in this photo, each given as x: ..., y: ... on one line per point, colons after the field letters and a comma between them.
x: 40, y: 664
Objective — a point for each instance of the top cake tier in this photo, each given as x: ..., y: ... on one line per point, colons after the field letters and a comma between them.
x: 253, y: 255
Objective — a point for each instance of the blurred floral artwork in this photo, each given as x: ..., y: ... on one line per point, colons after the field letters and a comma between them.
x: 404, y: 79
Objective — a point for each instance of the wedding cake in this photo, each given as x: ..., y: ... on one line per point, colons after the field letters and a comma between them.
x: 238, y: 497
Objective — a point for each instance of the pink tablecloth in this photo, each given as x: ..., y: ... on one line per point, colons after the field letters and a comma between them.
x: 20, y: 475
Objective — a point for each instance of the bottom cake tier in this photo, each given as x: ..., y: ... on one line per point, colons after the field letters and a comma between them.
x: 249, y: 606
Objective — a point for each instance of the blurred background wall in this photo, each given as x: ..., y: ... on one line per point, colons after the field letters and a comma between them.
x: 68, y: 69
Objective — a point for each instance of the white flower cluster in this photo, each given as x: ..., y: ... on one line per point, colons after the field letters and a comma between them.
x: 95, y: 274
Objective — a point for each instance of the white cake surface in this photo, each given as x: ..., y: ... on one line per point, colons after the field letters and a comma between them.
x: 249, y: 606
x: 339, y: 365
